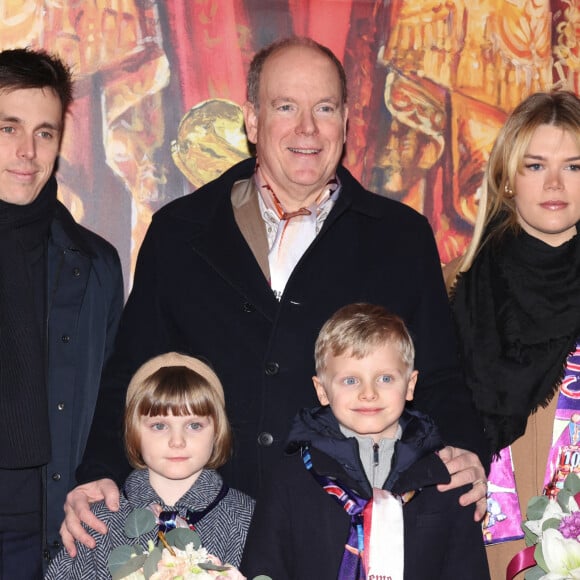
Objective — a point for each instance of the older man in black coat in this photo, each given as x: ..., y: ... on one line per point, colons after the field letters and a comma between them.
x: 245, y: 271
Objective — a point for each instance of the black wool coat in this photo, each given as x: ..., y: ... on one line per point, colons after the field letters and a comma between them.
x: 298, y: 531
x: 198, y: 289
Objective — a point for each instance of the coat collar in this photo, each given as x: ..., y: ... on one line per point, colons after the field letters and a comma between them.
x: 352, y: 195
x: 211, y: 230
x: 138, y: 491
x: 67, y: 234
x: 246, y: 208
x: 415, y: 464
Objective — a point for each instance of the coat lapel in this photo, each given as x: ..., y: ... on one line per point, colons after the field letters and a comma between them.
x: 246, y: 210
x: 223, y: 246
x: 232, y: 238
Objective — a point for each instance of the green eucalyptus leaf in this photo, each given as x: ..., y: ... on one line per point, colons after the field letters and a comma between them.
x: 139, y: 522
x: 536, y: 507
x: 553, y: 523
x: 212, y: 566
x: 572, y: 483
x: 534, y: 573
x: 129, y: 567
x: 563, y: 498
x: 529, y: 537
x: 150, y: 566
x: 120, y: 556
x: 180, y: 537
x: 539, y: 557
x: 261, y: 577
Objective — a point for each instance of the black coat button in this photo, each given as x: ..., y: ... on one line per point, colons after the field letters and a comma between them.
x: 265, y: 439
x: 247, y: 307
x: 65, y: 338
x: 56, y: 476
x: 60, y: 406
x: 76, y: 272
x: 272, y: 369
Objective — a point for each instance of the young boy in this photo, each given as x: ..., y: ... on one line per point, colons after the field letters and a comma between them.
x: 356, y: 495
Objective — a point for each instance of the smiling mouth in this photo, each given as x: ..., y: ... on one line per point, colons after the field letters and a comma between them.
x: 304, y: 151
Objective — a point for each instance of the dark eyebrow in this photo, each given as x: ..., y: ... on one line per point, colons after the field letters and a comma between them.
x: 5, y: 119
x: 18, y: 121
x: 49, y: 126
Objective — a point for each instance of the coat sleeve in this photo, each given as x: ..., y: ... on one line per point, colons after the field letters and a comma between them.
x: 268, y: 548
x: 466, y: 557
x: 115, y: 305
x: 88, y: 563
x: 142, y: 334
x: 441, y: 391
x: 82, y: 566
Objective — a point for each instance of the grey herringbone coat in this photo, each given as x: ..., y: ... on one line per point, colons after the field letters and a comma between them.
x: 223, y: 530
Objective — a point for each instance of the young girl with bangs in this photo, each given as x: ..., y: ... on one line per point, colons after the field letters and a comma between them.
x: 176, y: 435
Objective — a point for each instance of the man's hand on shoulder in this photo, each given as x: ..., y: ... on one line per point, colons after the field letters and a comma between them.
x: 465, y: 467
x: 78, y: 511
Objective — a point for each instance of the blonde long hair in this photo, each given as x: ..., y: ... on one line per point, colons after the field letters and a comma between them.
x: 558, y: 109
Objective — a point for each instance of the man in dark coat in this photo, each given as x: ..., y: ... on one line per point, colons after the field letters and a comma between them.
x: 244, y: 272
x: 61, y: 295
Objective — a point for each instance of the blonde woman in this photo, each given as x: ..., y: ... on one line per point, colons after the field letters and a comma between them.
x: 516, y: 300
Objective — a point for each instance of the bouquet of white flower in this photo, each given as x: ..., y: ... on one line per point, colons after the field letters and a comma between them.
x: 552, y: 534
x: 178, y: 557
x: 187, y: 564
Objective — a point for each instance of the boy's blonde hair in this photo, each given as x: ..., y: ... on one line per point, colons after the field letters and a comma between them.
x: 357, y: 329
x: 176, y: 384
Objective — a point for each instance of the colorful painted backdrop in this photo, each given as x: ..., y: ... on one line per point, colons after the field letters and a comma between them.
x: 159, y: 84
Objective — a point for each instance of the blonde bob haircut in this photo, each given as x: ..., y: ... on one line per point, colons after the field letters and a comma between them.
x: 357, y: 329
x: 176, y: 384
x: 559, y: 109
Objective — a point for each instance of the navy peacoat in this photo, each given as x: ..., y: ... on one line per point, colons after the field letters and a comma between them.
x: 85, y: 300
